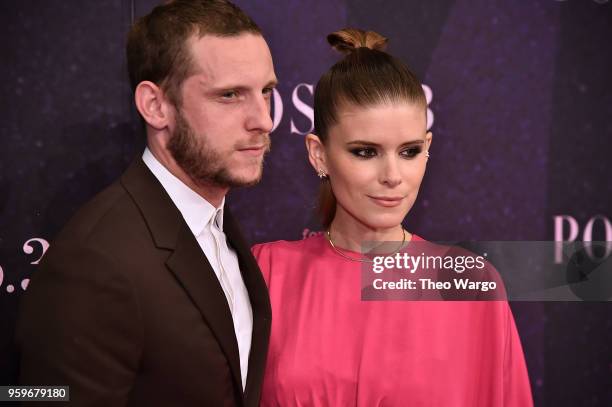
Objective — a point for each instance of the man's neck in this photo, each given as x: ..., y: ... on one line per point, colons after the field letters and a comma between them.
x: 212, y: 193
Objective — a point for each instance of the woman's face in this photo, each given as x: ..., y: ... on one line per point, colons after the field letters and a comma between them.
x: 376, y: 157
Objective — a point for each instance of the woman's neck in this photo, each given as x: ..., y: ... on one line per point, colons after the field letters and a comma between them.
x: 349, y: 233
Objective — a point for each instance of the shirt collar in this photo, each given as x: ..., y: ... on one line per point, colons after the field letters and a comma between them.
x: 197, y: 211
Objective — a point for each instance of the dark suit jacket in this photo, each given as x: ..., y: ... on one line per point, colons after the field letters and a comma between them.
x: 127, y: 311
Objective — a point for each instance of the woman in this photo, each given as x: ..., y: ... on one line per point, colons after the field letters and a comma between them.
x: 329, y: 348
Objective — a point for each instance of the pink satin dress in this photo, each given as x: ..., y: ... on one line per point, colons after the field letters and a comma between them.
x: 329, y: 348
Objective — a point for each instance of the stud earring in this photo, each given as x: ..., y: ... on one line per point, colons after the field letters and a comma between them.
x: 322, y: 174
x: 427, y: 153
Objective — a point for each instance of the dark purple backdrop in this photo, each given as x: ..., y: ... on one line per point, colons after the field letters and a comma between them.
x: 522, y: 108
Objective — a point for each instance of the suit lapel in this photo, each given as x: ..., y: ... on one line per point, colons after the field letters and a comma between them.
x: 260, y: 303
x: 197, y: 277
x: 186, y: 262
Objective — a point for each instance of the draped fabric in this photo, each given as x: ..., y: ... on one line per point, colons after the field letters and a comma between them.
x: 329, y: 348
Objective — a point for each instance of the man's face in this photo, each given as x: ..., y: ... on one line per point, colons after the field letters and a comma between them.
x: 221, y: 130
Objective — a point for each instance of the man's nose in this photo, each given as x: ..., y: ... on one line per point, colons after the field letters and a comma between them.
x: 259, y: 118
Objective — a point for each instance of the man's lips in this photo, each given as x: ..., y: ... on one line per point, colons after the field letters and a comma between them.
x: 254, y: 150
x: 386, y: 201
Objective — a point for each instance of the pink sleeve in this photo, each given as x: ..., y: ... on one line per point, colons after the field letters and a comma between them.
x: 517, y: 390
x: 261, y: 252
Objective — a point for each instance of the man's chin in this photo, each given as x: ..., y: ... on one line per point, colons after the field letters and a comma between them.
x: 227, y: 179
x: 247, y: 181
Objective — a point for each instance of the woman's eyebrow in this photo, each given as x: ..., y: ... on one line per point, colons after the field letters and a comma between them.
x: 369, y: 143
x: 409, y: 143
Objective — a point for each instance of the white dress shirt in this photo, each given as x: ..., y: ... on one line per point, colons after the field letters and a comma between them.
x: 206, y: 224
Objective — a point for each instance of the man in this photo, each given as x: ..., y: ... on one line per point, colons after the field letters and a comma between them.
x: 150, y: 296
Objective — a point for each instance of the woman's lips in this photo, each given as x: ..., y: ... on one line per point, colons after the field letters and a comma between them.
x: 387, y: 201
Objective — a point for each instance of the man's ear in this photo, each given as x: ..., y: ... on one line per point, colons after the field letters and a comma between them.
x: 316, y: 153
x: 152, y: 104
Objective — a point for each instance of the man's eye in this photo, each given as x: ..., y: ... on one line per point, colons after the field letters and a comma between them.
x: 411, y: 152
x: 231, y: 94
x: 364, y: 152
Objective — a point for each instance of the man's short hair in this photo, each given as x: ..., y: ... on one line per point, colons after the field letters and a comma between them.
x: 157, y: 43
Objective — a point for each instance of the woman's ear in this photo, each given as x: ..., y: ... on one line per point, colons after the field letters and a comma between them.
x: 152, y: 105
x: 428, y: 139
x: 316, y: 154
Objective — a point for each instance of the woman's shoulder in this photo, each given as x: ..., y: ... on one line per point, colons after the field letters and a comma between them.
x: 287, y: 247
x: 283, y: 255
x: 417, y: 238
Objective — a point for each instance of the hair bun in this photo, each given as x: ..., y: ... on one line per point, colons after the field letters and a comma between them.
x: 348, y: 40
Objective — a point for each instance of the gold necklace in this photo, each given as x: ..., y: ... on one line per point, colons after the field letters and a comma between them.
x: 331, y: 242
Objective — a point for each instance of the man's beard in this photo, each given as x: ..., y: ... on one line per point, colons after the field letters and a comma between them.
x: 200, y: 162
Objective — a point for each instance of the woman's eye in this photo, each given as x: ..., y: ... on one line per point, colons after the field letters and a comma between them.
x: 411, y: 152
x: 364, y: 152
x: 267, y: 91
